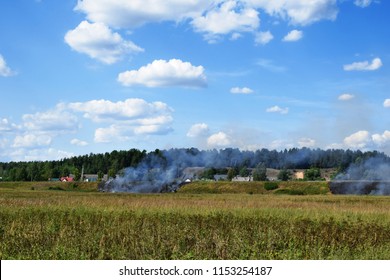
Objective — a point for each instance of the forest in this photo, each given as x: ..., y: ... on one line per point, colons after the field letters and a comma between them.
x: 112, y: 163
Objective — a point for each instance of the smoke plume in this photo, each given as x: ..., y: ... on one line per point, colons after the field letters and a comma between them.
x: 371, y: 176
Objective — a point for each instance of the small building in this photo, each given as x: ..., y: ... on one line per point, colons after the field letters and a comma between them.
x: 67, y: 179
x: 220, y: 177
x: 299, y: 175
x: 90, y: 178
x: 242, y: 179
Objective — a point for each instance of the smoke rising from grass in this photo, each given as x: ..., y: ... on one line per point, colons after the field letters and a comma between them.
x: 371, y: 176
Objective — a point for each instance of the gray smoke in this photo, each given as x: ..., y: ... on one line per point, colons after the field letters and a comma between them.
x: 153, y: 175
x: 371, y: 176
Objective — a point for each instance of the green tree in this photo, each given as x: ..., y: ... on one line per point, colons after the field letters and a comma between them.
x: 284, y: 175
x: 260, y: 173
x: 231, y: 174
x: 100, y: 175
x: 313, y: 174
x: 112, y: 173
x: 244, y: 172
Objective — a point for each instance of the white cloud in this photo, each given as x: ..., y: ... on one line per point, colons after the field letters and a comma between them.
x: 363, y: 3
x: 7, y: 126
x: 235, y: 36
x: 55, y: 121
x: 133, y: 110
x: 42, y: 154
x: 219, y: 139
x: 346, y: 97
x: 263, y: 38
x: 123, y: 132
x: 99, y: 42
x: 198, y: 130
x: 5, y: 71
x: 359, y: 139
x: 162, y: 73
x: 109, y: 134
x: 381, y: 139
x: 214, y: 18
x: 306, y: 142
x: 128, y: 118
x: 299, y: 12
x: 375, y: 64
x: 277, y: 109
x: 134, y: 13
x: 386, y: 103
x: 293, y: 36
x: 31, y: 140
x: 227, y: 18
x: 243, y: 90
x: 78, y: 142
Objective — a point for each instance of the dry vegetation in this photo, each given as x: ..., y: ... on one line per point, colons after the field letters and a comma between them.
x: 53, y: 224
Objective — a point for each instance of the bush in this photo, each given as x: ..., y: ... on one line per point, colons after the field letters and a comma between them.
x: 269, y: 186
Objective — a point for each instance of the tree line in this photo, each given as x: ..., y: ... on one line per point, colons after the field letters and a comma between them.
x: 112, y: 163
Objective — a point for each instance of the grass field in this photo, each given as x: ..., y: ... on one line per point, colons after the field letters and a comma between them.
x: 73, y: 222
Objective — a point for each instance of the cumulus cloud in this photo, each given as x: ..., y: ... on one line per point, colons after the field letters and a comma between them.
x: 198, y: 130
x: 131, y: 109
x: 375, y: 64
x: 243, y: 14
x: 128, y: 118
x: 99, y: 42
x: 227, y: 18
x: 54, y: 121
x: 299, y: 12
x: 346, y: 97
x: 358, y: 140
x: 7, y: 126
x: 277, y: 109
x: 31, y: 140
x: 263, y: 38
x: 123, y: 132
x: 386, y: 103
x: 162, y: 73
x: 219, y: 140
x: 214, y: 18
x: 132, y: 14
x: 363, y: 3
x: 293, y: 36
x: 381, y: 139
x: 42, y: 154
x: 243, y: 90
x: 306, y: 142
x: 5, y: 71
x: 78, y: 142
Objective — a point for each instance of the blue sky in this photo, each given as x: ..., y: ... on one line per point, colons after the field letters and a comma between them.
x: 92, y: 76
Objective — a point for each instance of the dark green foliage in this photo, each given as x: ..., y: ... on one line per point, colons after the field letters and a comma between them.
x: 244, y: 172
x: 112, y: 163
x: 269, y: 186
x: 313, y: 174
x: 260, y: 173
x: 284, y: 175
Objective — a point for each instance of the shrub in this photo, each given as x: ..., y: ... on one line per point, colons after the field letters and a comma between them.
x: 269, y: 186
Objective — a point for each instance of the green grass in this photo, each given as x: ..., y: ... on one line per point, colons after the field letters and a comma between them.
x: 289, y: 187
x: 74, y: 224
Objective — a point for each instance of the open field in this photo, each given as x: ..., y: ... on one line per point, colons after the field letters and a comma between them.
x: 76, y: 224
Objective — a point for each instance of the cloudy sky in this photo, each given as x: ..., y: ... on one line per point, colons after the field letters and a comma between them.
x: 92, y: 76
